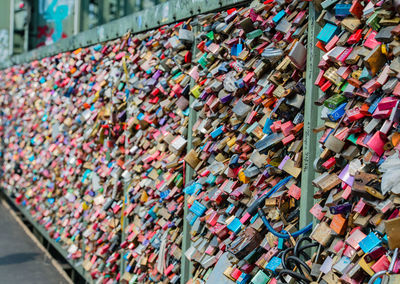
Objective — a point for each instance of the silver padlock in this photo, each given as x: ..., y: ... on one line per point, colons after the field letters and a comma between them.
x: 334, y: 144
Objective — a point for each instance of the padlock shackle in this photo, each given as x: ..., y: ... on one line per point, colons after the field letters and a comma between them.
x: 296, y: 275
x: 389, y: 271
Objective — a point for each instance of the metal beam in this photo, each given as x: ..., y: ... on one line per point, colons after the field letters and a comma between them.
x: 77, y: 16
x: 141, y: 21
x: 311, y: 116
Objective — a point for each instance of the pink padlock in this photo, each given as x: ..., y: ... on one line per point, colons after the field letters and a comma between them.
x: 377, y: 142
x: 387, y: 103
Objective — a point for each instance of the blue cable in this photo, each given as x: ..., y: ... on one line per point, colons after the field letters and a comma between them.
x: 253, y: 208
x: 278, y: 186
x: 268, y: 225
x: 281, y: 235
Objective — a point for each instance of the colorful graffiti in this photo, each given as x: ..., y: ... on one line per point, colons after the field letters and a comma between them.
x: 54, y: 12
x: 46, y: 34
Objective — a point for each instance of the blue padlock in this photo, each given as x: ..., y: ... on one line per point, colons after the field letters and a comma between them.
x: 374, y: 105
x: 198, y: 208
x: 164, y: 194
x: 239, y: 84
x: 236, y: 49
x: 342, y: 10
x: 274, y: 263
x: 337, y: 113
x: 230, y: 208
x: 365, y: 75
x: 211, y: 179
x: 214, y: 134
x: 235, y: 226
x: 152, y: 213
x: 222, y: 68
x: 369, y: 242
x: 328, y: 32
x: 279, y: 16
x: 243, y: 278
x: 267, y: 126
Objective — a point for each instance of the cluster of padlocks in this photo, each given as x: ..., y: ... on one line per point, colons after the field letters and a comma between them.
x: 356, y: 203
x: 247, y: 139
x: 116, y: 148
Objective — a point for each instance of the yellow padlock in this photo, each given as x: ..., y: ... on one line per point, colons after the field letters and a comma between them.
x: 242, y: 177
x: 195, y: 91
x: 85, y: 206
x: 384, y: 49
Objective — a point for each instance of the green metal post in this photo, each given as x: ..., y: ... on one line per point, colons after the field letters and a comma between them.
x: 33, y: 39
x: 104, y: 11
x: 130, y: 7
x: 311, y: 118
x: 186, y: 265
x: 124, y: 218
x: 140, y: 6
x: 26, y: 28
x: 119, y: 9
x: 84, y: 16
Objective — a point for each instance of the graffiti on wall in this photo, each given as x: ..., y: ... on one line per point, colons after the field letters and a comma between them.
x: 53, y: 12
x: 45, y: 35
x: 4, y: 44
